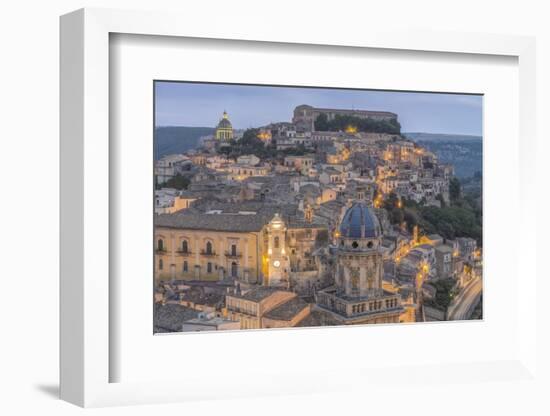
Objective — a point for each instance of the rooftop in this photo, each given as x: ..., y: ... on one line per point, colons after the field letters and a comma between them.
x: 213, y: 222
x: 170, y: 317
x: 258, y: 294
x: 287, y: 310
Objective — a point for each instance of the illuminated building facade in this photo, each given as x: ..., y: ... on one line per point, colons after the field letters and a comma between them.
x: 305, y: 115
x: 224, y: 129
x: 358, y: 296
x: 243, y: 246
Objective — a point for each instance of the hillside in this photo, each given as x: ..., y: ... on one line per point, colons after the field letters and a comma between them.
x: 429, y: 137
x: 465, y: 153
x: 169, y: 140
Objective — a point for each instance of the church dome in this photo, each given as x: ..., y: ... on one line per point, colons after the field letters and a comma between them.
x: 359, y: 221
x: 224, y: 122
x: 224, y: 129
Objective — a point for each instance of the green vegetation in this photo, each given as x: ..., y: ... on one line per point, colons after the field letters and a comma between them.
x: 177, y: 182
x: 250, y: 143
x: 465, y: 153
x: 343, y: 122
x: 454, y: 189
x: 462, y: 218
x: 445, y: 291
x: 390, y: 204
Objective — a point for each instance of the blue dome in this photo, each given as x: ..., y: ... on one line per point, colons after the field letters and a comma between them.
x: 359, y: 222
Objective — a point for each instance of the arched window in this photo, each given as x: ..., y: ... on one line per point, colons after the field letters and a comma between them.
x: 276, y: 242
x: 160, y: 244
x: 209, y: 267
x: 185, y: 266
x: 184, y: 246
x: 208, y: 247
x: 234, y: 269
x: 161, y: 264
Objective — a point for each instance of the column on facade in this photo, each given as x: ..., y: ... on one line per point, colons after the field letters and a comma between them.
x: 172, y: 256
x: 197, y: 257
x: 223, y: 259
x: 245, y: 262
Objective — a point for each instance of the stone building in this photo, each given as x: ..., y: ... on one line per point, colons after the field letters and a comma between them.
x: 266, y: 307
x: 305, y: 115
x: 208, y: 246
x: 251, y: 242
x: 358, y: 296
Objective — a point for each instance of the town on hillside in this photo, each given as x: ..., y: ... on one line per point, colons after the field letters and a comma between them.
x: 332, y: 217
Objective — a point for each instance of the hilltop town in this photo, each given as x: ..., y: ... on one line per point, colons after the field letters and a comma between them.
x: 330, y: 218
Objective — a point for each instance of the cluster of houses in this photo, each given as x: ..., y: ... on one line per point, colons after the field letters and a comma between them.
x: 253, y: 243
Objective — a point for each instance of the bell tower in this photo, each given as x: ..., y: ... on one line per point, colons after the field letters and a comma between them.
x: 278, y: 264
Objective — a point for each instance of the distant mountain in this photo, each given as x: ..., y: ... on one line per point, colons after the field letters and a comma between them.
x: 465, y: 153
x: 172, y: 139
x: 428, y: 137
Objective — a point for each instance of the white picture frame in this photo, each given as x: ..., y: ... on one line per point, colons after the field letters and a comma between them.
x: 86, y: 353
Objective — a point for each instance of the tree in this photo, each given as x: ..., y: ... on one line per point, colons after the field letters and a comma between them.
x: 177, y: 182
x: 454, y: 189
x: 321, y: 122
x: 441, y: 200
x: 342, y: 122
x: 397, y: 216
x: 391, y: 201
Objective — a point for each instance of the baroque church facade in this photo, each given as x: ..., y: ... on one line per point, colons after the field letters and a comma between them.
x: 357, y: 296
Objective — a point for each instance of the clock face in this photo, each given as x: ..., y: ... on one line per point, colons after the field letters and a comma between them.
x: 276, y: 263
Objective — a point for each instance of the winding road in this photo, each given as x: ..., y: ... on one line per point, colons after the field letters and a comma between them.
x: 466, y: 301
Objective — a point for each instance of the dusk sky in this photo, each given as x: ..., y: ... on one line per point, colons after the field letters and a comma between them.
x: 201, y: 105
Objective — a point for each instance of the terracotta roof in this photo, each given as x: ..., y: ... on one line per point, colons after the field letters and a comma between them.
x: 212, y: 222
x: 287, y: 310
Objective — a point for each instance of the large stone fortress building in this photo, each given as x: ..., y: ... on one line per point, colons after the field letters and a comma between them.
x: 305, y: 115
x: 357, y: 296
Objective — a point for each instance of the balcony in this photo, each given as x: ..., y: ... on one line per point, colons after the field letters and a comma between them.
x: 208, y: 253
x: 161, y: 251
x: 233, y: 255
x: 183, y: 253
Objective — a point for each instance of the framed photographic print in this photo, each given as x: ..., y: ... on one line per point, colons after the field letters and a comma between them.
x: 296, y: 213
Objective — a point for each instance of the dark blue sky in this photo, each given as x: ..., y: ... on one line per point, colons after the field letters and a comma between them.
x: 196, y: 104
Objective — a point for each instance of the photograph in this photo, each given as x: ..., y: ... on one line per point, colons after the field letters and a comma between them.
x: 298, y: 206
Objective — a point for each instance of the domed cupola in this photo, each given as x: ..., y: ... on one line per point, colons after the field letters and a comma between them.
x: 224, y: 129
x: 359, y: 228
x: 224, y: 122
